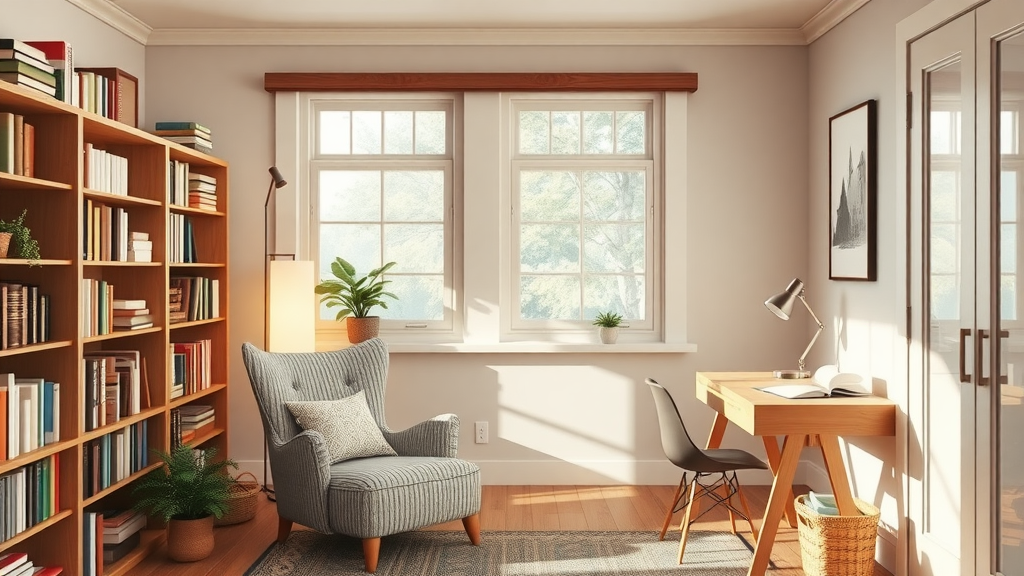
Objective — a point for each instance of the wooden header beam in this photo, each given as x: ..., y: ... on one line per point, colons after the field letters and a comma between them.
x: 486, y: 81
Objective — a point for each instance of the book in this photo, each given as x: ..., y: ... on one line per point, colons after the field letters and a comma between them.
x: 20, y: 67
x: 125, y: 321
x: 118, y: 534
x: 129, y: 304
x: 135, y: 312
x: 181, y: 126
x: 114, y: 552
x: 10, y: 54
x: 24, y: 80
x: 135, y: 235
x: 23, y: 47
x: 60, y: 57
x: 48, y: 571
x: 827, y: 381
x: 12, y: 561
x: 190, y: 140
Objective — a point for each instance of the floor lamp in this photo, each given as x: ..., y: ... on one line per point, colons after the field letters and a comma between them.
x: 289, y: 315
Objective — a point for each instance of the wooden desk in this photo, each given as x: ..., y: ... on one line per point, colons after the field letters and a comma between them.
x: 807, y: 422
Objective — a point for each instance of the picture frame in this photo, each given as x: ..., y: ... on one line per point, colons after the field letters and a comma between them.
x: 852, y: 179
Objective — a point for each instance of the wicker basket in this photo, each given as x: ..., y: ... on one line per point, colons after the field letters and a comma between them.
x: 837, y: 545
x: 5, y: 243
x: 242, y: 502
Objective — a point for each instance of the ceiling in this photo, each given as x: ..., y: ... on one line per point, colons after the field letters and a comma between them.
x: 176, y: 21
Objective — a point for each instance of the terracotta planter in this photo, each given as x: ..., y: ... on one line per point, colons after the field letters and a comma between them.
x: 5, y: 243
x: 360, y: 329
x: 190, y: 540
x: 608, y: 335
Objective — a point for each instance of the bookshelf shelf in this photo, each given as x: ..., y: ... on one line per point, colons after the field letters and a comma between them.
x: 119, y: 199
x: 15, y: 182
x: 22, y: 536
x: 205, y: 437
x: 57, y: 200
x: 118, y: 485
x: 52, y: 345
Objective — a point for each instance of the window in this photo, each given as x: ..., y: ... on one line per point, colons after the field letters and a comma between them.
x: 583, y: 180
x: 381, y: 184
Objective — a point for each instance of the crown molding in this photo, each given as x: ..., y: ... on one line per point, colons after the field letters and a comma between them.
x: 476, y: 37
x: 116, y: 17
x: 830, y: 16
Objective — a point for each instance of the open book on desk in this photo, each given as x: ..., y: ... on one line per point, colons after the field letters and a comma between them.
x: 827, y: 381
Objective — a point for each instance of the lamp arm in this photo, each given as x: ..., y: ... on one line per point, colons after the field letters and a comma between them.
x: 802, y: 361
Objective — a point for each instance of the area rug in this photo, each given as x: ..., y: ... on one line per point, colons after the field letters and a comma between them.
x: 436, y: 553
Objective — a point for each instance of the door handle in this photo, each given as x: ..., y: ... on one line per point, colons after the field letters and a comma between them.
x: 979, y: 364
x: 964, y: 376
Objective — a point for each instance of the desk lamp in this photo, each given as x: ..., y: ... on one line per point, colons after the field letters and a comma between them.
x: 782, y: 305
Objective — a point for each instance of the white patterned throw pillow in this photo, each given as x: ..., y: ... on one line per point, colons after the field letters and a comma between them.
x: 347, y: 426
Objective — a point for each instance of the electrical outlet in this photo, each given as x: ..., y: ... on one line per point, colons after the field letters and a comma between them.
x: 481, y: 432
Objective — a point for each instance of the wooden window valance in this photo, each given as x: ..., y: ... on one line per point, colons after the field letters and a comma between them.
x: 485, y: 81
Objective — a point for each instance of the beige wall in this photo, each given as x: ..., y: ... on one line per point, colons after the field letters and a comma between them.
x: 863, y: 320
x: 747, y: 191
x: 95, y: 44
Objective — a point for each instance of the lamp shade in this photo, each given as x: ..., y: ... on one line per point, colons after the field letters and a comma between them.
x: 782, y: 303
x: 291, y: 314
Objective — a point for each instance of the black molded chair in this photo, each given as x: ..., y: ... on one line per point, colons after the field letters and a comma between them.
x: 714, y: 471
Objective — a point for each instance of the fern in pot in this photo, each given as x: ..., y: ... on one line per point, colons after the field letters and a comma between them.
x: 16, y: 238
x: 356, y: 296
x: 608, y: 326
x: 188, y: 492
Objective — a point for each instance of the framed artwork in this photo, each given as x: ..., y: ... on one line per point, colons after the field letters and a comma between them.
x: 851, y: 177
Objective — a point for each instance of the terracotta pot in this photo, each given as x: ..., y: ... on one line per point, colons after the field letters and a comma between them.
x: 360, y: 329
x: 608, y: 335
x: 190, y: 540
x: 5, y: 243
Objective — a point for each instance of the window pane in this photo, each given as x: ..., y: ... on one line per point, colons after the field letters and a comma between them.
x: 419, y: 298
x: 335, y: 127
x: 1008, y: 248
x: 940, y: 132
x: 944, y: 253
x: 414, y: 196
x: 613, y: 248
x: 549, y: 196
x: 549, y: 297
x: 944, y: 196
x: 357, y: 243
x: 614, y: 195
x: 533, y: 132
x: 621, y: 294
x: 1008, y: 196
x: 1008, y: 297
x: 631, y: 129
x: 415, y: 247
x: 350, y: 196
x: 945, y: 300
x: 597, y: 133
x: 431, y: 133
x: 397, y: 132
x: 366, y: 132
x: 549, y: 248
x: 1008, y: 134
x: 565, y: 132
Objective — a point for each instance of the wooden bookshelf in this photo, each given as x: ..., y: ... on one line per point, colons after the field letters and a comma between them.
x: 56, y: 197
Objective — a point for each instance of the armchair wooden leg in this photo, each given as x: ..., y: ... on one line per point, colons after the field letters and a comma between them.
x: 371, y: 553
x: 472, y: 525
x: 284, y: 527
x: 671, y: 508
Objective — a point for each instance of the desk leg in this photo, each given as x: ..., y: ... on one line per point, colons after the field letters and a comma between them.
x: 771, y: 449
x: 717, y: 431
x: 837, y: 475
x: 782, y: 487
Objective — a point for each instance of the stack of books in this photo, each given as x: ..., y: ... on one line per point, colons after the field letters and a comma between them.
x: 140, y: 247
x: 131, y: 315
x: 202, y: 192
x: 18, y: 564
x: 26, y: 66
x: 196, y: 420
x: 121, y: 533
x: 189, y: 134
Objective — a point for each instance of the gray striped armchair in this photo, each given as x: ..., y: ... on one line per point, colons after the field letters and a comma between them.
x: 366, y: 498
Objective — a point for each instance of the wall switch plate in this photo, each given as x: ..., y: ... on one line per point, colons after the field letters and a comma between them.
x: 481, y: 433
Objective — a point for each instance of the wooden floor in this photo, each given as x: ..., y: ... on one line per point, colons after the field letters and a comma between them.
x: 510, y: 508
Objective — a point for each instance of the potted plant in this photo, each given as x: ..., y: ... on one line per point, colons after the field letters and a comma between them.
x: 608, y: 326
x: 16, y: 233
x: 188, y: 492
x: 356, y: 296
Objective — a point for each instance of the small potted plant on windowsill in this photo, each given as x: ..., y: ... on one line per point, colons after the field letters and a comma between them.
x: 16, y: 238
x: 608, y: 326
x: 356, y: 296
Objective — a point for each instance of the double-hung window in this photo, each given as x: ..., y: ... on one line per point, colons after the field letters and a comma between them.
x: 584, y: 175
x: 381, y: 186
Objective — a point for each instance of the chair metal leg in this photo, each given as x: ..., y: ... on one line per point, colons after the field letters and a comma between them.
x: 472, y: 526
x: 284, y: 527
x: 684, y: 527
x: 371, y: 553
x: 672, y: 508
x: 746, y: 510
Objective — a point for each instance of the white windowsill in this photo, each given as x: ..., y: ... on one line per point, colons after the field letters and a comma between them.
x: 540, y: 348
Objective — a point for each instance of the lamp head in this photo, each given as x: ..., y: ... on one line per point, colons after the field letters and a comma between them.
x: 782, y: 303
x: 279, y: 180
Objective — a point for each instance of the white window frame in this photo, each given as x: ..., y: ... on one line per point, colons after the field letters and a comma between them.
x: 481, y: 226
